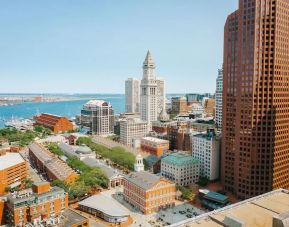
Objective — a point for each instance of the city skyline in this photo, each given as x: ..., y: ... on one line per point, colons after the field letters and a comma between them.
x: 81, y: 48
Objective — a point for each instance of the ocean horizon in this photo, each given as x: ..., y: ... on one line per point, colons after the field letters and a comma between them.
x: 69, y: 109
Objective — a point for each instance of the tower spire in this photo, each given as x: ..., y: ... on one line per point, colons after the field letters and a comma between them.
x: 148, y: 60
x: 148, y: 67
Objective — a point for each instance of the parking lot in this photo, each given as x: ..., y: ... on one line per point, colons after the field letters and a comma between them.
x: 165, y: 217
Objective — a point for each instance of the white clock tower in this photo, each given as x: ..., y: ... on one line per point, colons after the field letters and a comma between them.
x: 152, y: 98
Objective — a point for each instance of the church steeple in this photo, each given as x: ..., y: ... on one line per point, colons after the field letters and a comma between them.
x: 148, y: 67
x: 138, y: 166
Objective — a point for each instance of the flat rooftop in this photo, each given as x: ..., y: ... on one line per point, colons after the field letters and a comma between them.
x: 10, y: 159
x: 216, y: 197
x: 155, y: 140
x: 73, y: 218
x: 106, y: 205
x: 180, y: 159
x: 257, y: 211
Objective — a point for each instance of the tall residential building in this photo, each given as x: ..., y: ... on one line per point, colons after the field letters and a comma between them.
x: 97, y: 116
x: 206, y: 149
x: 132, y: 130
x: 132, y: 95
x: 255, y: 140
x: 218, y: 97
x: 152, y: 98
x: 179, y: 105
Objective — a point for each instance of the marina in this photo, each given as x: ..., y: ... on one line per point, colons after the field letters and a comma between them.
x: 69, y: 109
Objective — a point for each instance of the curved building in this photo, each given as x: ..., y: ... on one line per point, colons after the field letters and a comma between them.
x: 104, y: 207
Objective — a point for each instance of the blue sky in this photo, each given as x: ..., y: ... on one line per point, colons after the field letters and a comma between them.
x: 92, y: 46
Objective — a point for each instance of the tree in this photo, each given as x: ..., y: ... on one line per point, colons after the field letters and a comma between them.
x: 78, y: 189
x: 55, y: 149
x: 28, y: 183
x: 187, y: 193
x: 203, y: 181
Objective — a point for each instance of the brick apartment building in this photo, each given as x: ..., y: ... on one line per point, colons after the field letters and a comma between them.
x: 13, y: 170
x: 34, y: 204
x: 148, y: 192
x: 154, y: 146
x: 50, y: 165
x: 179, y: 105
x: 56, y: 123
x: 179, y: 137
x: 209, y: 105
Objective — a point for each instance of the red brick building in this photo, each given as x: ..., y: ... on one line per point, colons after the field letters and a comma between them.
x: 148, y: 192
x: 13, y: 170
x: 56, y: 123
x: 255, y: 128
x: 154, y: 146
x: 50, y: 165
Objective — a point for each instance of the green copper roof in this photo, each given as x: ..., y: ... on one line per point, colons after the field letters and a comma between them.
x: 180, y: 159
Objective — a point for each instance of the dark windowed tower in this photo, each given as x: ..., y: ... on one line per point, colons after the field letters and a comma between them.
x: 255, y: 128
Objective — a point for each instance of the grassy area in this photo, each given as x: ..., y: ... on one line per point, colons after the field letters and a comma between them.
x: 53, y: 147
x: 25, y: 184
x: 42, y: 130
x: 88, y: 180
x: 187, y: 193
x: 117, y: 155
x: 17, y: 137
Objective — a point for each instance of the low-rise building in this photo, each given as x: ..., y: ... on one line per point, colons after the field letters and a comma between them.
x: 56, y: 123
x: 13, y: 170
x: 180, y: 168
x: 206, y: 148
x: 114, y: 176
x: 161, y: 127
x: 81, y: 152
x: 132, y: 130
x: 36, y: 204
x: 104, y: 207
x: 148, y: 192
x: 154, y: 145
x: 50, y: 165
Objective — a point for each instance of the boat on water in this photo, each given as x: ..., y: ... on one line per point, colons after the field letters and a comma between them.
x: 19, y: 123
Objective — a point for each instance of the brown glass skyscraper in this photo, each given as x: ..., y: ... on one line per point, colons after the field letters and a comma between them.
x: 255, y: 137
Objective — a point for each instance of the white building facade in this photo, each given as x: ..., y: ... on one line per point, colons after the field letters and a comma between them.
x: 132, y: 95
x: 181, y: 168
x: 138, y: 166
x: 205, y: 148
x: 152, y: 90
x: 219, y: 98
x: 97, y: 116
x: 132, y: 130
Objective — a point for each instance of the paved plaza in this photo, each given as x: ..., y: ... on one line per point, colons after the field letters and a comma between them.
x: 180, y: 212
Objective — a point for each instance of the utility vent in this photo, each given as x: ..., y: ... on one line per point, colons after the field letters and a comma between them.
x: 231, y: 221
x: 281, y: 220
